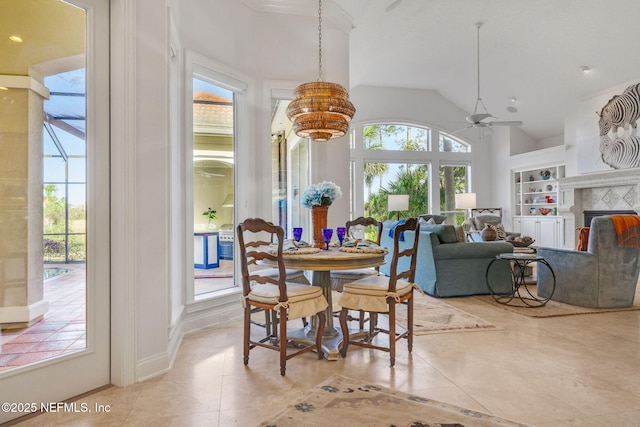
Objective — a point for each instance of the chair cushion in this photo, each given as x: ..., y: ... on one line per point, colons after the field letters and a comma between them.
x: 370, y: 293
x: 303, y: 300
x: 340, y: 277
x: 295, y: 276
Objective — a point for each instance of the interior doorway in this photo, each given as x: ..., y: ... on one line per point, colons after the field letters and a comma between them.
x: 213, y: 187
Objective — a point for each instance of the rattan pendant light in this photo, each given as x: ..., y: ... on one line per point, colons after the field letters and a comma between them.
x: 320, y: 111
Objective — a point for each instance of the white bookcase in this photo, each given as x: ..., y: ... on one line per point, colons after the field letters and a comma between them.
x: 536, y: 204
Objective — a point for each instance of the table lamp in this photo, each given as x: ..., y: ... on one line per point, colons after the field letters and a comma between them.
x: 398, y: 203
x: 466, y: 201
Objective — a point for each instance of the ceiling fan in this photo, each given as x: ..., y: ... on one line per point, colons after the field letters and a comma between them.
x: 482, y: 119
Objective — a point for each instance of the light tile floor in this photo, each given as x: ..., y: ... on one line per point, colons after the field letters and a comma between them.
x: 61, y: 331
x: 581, y: 370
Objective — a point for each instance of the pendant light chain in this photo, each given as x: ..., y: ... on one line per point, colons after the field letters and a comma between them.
x: 320, y: 110
x: 319, y: 40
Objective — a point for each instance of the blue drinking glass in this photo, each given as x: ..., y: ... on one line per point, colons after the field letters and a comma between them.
x: 327, y: 233
x: 341, y: 232
x: 297, y: 233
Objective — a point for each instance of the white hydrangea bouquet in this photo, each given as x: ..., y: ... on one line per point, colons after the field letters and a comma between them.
x: 321, y: 194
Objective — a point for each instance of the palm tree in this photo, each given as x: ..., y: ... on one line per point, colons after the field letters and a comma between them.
x: 373, y: 141
x: 453, y: 179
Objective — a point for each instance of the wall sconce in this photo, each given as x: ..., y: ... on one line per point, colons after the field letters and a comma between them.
x: 398, y: 203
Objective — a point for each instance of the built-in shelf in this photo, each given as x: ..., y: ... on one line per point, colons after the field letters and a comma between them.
x: 535, y: 200
x: 536, y: 190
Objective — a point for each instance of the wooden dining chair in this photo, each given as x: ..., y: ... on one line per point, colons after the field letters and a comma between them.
x: 381, y: 294
x: 293, y: 276
x: 340, y: 277
x: 288, y: 300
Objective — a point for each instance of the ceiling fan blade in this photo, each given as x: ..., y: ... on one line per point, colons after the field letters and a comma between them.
x: 505, y: 123
x: 460, y: 130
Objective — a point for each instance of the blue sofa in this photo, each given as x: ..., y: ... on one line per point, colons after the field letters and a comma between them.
x: 447, y: 267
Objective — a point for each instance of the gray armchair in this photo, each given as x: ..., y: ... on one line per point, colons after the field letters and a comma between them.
x: 604, y: 276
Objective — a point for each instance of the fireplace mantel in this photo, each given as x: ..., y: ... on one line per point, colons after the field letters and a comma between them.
x: 601, y: 179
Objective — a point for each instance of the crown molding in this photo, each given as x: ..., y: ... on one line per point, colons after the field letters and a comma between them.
x: 330, y: 10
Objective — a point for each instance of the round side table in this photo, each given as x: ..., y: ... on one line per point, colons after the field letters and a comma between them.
x: 517, y: 264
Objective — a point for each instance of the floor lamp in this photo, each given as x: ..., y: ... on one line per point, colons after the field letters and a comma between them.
x: 466, y: 201
x: 398, y: 203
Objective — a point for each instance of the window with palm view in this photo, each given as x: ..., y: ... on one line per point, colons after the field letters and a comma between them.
x: 428, y: 165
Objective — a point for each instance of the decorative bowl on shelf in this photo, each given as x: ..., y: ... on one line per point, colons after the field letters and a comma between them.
x: 544, y: 211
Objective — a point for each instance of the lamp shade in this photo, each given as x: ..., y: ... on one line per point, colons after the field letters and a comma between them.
x: 320, y: 111
x: 398, y: 202
x: 465, y: 201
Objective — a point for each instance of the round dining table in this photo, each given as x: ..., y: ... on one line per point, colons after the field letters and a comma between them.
x: 320, y: 264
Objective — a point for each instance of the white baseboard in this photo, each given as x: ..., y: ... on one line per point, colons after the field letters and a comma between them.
x: 153, y: 366
x: 196, y: 317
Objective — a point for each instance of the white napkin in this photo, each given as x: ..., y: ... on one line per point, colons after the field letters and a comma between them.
x: 359, y: 244
x: 290, y: 245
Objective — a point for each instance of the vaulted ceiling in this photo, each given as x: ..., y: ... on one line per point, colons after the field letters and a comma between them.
x: 529, y: 50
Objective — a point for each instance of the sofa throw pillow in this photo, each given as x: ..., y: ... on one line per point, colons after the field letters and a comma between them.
x: 432, y: 219
x: 502, y: 235
x: 446, y: 233
x: 460, y: 233
x: 583, y: 238
x: 483, y: 220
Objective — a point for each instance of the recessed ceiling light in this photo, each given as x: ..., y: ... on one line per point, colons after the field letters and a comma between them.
x: 16, y: 39
x: 513, y: 99
x: 584, y: 69
x: 512, y: 109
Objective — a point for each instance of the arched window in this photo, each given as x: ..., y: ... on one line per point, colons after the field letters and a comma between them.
x: 401, y: 158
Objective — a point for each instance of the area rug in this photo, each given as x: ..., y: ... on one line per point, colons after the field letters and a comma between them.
x: 341, y: 401
x: 434, y: 316
x: 553, y: 308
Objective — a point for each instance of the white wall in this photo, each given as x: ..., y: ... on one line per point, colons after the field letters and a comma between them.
x: 151, y: 210
x: 261, y: 47
x: 265, y: 47
x: 552, y: 141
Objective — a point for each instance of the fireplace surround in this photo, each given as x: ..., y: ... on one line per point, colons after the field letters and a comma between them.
x: 613, y: 191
